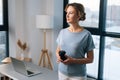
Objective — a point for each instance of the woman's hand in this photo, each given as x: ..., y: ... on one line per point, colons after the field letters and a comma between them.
x: 59, y: 59
x: 69, y: 60
x: 57, y: 55
x: 88, y: 59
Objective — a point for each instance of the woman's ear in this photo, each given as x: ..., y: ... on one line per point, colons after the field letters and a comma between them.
x: 79, y: 16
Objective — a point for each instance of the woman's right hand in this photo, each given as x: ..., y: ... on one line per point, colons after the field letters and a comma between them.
x: 57, y: 55
x: 58, y: 59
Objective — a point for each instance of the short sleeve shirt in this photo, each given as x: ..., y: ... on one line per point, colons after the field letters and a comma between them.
x: 76, y: 45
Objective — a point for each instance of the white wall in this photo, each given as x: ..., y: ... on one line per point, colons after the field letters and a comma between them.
x: 22, y: 26
x: 16, y: 23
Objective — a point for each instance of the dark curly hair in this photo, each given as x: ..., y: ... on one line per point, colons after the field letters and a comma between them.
x: 79, y: 9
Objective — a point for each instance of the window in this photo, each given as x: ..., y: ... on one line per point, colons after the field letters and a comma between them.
x: 112, y: 49
x: 3, y: 29
x: 1, y: 13
x: 94, y: 66
x: 103, y: 21
x: 92, y: 18
x: 2, y: 44
x: 111, y: 62
x: 113, y: 17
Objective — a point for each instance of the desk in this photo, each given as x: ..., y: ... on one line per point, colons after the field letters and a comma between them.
x: 7, y: 69
x: 8, y: 60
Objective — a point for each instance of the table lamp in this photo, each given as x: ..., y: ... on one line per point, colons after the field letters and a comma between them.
x: 44, y: 22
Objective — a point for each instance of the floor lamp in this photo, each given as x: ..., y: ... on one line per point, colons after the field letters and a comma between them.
x: 44, y: 22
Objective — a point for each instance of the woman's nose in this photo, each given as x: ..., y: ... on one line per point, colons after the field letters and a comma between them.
x: 67, y: 15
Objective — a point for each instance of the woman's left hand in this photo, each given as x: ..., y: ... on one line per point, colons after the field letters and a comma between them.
x: 69, y: 60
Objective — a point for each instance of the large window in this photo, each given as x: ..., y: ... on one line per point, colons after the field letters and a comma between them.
x: 94, y: 66
x: 112, y: 49
x: 103, y: 21
x: 113, y: 17
x: 2, y: 44
x: 1, y: 12
x: 3, y: 29
x: 92, y: 18
x: 111, y: 62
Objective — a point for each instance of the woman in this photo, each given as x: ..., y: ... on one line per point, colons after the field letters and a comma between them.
x: 76, y: 42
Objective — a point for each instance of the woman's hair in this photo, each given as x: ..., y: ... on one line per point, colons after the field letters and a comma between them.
x: 79, y: 9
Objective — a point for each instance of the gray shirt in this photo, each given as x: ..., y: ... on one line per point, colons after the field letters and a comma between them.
x: 76, y: 45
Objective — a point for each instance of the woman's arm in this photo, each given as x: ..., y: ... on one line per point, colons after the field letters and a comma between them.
x: 88, y: 59
x: 57, y: 54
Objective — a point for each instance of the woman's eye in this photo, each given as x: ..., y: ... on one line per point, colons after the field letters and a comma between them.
x: 70, y: 12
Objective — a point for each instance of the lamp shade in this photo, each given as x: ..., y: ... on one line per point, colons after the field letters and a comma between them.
x: 44, y: 21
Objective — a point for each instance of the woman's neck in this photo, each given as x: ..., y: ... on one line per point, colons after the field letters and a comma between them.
x: 75, y: 28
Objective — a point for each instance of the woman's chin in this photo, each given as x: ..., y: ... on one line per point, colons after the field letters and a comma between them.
x: 68, y: 22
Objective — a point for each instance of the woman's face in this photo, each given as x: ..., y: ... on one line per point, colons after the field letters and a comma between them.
x: 71, y: 15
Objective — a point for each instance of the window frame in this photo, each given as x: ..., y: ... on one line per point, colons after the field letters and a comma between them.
x: 4, y: 26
